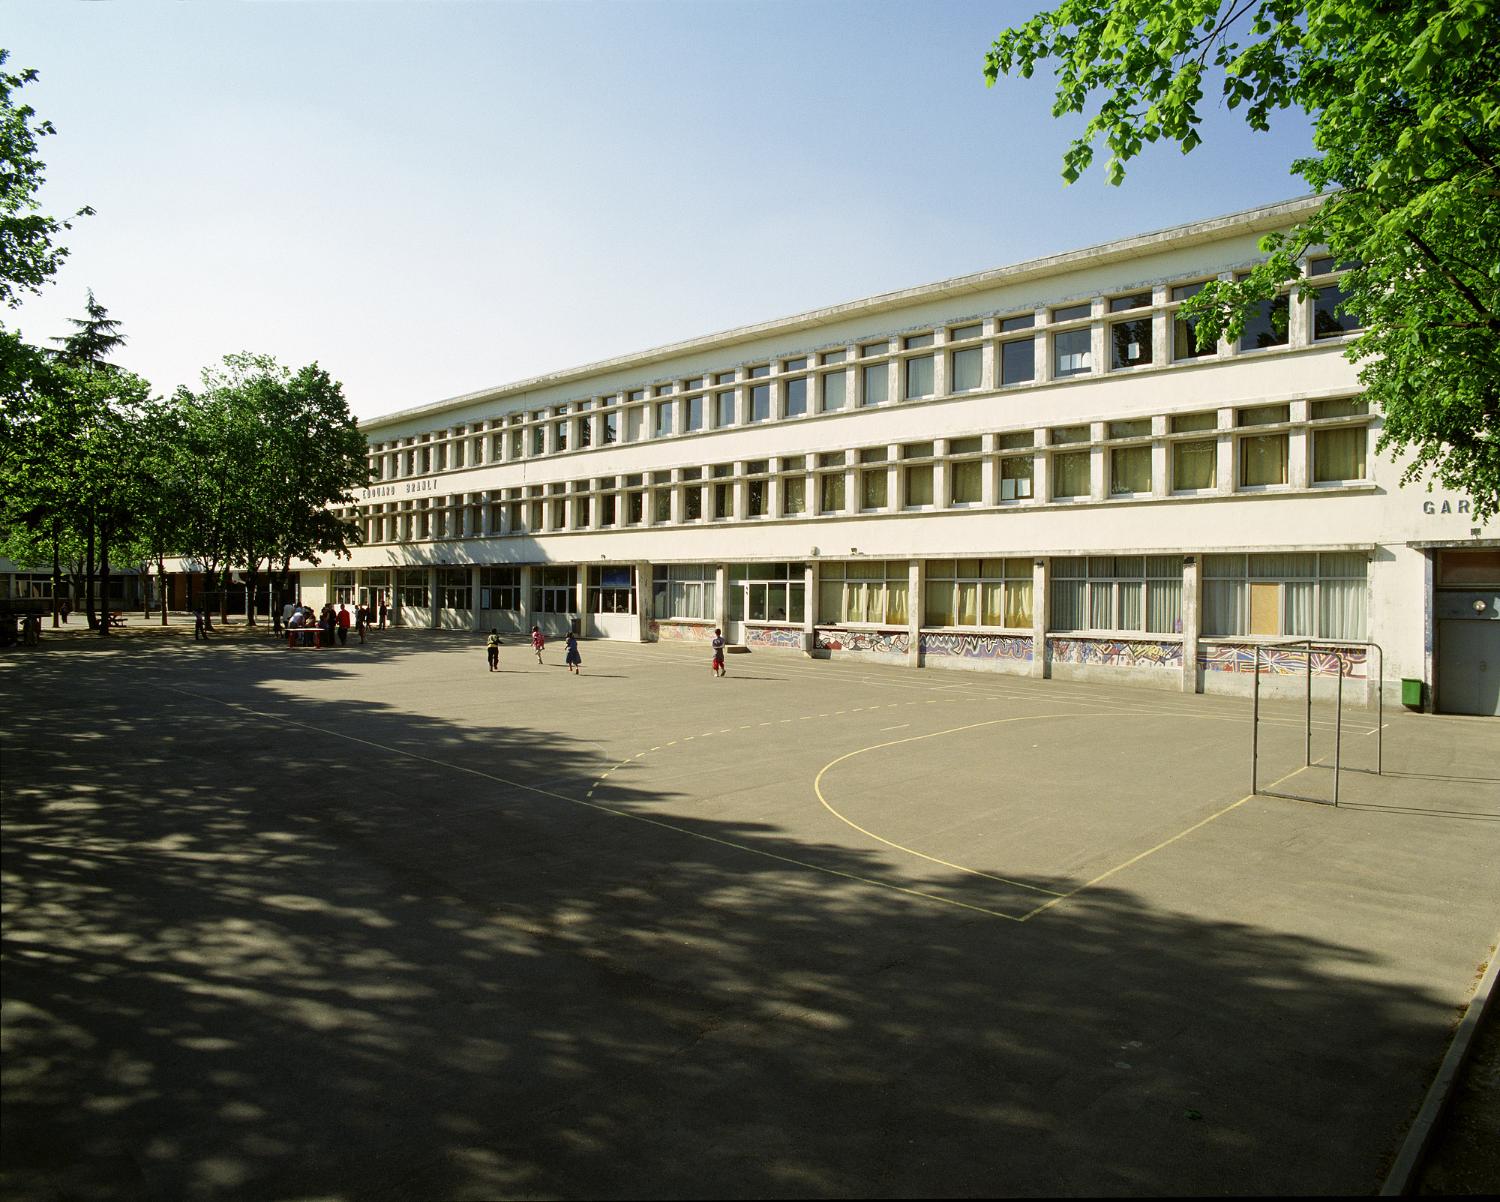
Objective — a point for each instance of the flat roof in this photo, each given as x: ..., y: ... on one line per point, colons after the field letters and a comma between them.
x: 1264, y: 218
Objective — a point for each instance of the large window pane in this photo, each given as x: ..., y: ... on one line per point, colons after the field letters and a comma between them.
x: 1130, y: 470
x: 877, y: 382
x: 796, y: 396
x: 968, y: 481
x: 1263, y: 459
x: 1195, y: 464
x: 834, y: 391
x: 919, y: 485
x: 1267, y: 325
x: 1339, y: 455
x: 1070, y: 474
x: 919, y: 376
x: 1017, y: 362
x: 1071, y: 353
x: 967, y: 370
x: 1130, y: 343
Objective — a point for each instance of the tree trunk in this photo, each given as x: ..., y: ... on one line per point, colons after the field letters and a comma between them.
x: 252, y: 581
x: 224, y: 595
x: 88, y: 582
x: 161, y: 575
x: 104, y: 579
x: 56, y: 572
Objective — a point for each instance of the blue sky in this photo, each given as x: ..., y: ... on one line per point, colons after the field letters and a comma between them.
x: 429, y: 199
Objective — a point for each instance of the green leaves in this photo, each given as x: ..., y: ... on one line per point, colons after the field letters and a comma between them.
x: 1405, y: 100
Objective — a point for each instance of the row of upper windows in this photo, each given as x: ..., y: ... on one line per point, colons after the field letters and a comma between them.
x: 1251, y: 449
x: 1049, y: 344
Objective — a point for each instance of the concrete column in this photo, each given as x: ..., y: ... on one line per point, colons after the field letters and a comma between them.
x: 914, y: 602
x: 643, y: 600
x: 989, y: 359
x: 1192, y: 575
x: 1226, y: 452
x: 1161, y: 458
x: 810, y: 606
x: 940, y: 363
x: 474, y: 598
x: 527, y: 617
x: 940, y: 493
x: 1041, y: 477
x: 1039, y: 603
x: 721, y: 596
x: 432, y: 597
x: 581, y: 599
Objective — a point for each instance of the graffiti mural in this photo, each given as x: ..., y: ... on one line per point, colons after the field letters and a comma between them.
x: 682, y: 632
x: 978, y: 646
x: 1281, y: 661
x: 1116, y: 653
x: 878, y: 642
x: 786, y: 637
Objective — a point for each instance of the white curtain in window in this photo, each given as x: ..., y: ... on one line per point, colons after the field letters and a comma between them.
x: 1226, y: 607
x: 1132, y: 616
x: 1164, y: 606
x: 1068, y: 604
x: 1297, y: 609
x: 1101, y: 605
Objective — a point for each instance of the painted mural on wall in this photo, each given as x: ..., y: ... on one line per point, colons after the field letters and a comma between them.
x: 681, y: 632
x: 1116, y: 653
x: 978, y: 646
x: 1280, y: 661
x: 787, y: 638
x: 877, y: 642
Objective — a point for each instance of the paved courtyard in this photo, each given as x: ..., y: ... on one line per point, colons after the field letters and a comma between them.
x: 376, y: 923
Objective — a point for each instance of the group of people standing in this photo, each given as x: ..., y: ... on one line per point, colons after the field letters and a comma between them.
x: 334, y: 623
x: 571, y: 657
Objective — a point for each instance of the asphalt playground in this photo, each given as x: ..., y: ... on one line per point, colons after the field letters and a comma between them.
x: 374, y: 922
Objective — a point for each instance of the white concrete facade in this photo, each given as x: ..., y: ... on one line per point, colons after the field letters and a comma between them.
x: 723, y: 480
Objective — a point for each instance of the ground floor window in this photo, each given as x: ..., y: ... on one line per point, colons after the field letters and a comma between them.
x: 977, y: 592
x: 343, y: 588
x: 500, y: 588
x: 864, y: 591
x: 766, y: 592
x: 411, y: 588
x: 1308, y: 595
x: 375, y: 587
x: 612, y: 590
x: 454, y: 591
x: 554, y: 590
x: 1117, y: 592
x: 684, y: 591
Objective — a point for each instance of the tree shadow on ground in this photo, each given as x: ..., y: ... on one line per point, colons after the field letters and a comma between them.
x: 246, y: 959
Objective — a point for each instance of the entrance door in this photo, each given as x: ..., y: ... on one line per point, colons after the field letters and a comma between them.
x: 736, y: 608
x: 1467, y: 606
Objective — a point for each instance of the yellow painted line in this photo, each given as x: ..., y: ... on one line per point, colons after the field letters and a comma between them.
x: 605, y: 809
x: 1136, y: 859
x: 922, y: 855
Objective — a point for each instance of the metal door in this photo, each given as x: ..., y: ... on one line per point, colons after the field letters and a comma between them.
x: 1468, y: 670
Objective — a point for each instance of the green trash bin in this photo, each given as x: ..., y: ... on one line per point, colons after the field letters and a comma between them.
x: 1411, y: 693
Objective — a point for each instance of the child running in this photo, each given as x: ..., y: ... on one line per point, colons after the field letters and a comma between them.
x: 537, y: 642
x: 718, y: 645
x: 573, y: 659
x: 492, y: 649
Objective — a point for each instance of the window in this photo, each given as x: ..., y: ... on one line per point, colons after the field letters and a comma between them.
x: 1130, y: 343
x: 876, y: 384
x: 692, y: 503
x: 919, y: 484
x: 1071, y: 353
x: 1070, y: 475
x: 795, y: 391
x: 793, y: 495
x: 761, y: 372
x: 1321, y: 596
x: 560, y: 436
x: 835, y: 391
x: 666, y: 419
x: 965, y: 475
x: 767, y: 592
x: 828, y: 358
x: 1072, y: 312
x: 967, y: 370
x: 977, y: 592
x: 695, y: 413
x: 724, y: 408
x: 500, y: 588
x: 831, y: 492
x: 1329, y: 320
x: 1129, y: 471
x: 760, y: 402
x: 684, y: 591
x: 1195, y: 465
x: 1023, y: 321
x: 917, y: 341
x: 1136, y: 300
x: 1016, y: 477
x: 919, y: 376
x: 873, y: 482
x: 1268, y: 324
x: 872, y: 591
x: 1017, y: 362
x: 964, y: 333
x: 1338, y: 455
x: 661, y: 504
x: 1263, y: 457
x: 610, y: 427
x: 554, y: 590
x: 1117, y: 592
x: 1185, y: 341
x: 611, y: 590
x: 411, y: 588
x: 869, y: 350
x: 757, y: 486
x: 635, y: 420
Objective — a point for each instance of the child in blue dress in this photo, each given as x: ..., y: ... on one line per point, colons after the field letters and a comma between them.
x: 573, y: 659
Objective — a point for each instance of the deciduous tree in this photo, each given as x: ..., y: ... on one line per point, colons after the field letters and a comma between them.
x: 1405, y: 104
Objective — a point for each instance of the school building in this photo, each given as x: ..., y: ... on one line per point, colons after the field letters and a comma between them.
x: 1035, y: 470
